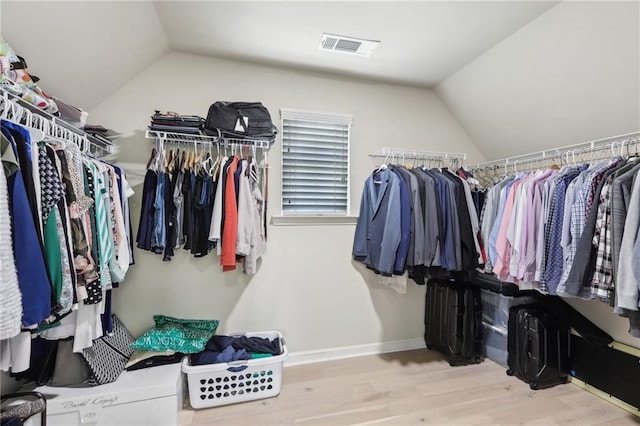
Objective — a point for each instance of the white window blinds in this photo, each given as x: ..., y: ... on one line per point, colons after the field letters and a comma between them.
x: 315, y: 163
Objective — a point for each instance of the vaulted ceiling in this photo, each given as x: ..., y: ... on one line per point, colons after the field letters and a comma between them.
x: 84, y: 51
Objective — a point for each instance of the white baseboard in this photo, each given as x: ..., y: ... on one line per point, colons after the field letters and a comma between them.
x: 307, y: 357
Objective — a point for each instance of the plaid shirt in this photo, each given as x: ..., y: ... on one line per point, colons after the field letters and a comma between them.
x: 550, y: 213
x: 597, y: 177
x: 578, y: 218
x: 554, y: 257
x: 602, y: 283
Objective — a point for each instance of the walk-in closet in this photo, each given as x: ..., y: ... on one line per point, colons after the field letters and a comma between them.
x: 307, y: 212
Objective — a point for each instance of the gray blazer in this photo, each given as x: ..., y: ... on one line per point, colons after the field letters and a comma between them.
x: 620, y: 196
x: 430, y: 215
x: 626, y: 283
x: 416, y: 244
x: 377, y: 235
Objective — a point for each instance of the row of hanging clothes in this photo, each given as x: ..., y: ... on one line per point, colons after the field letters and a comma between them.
x: 65, y: 234
x: 569, y: 229
x: 205, y: 196
x: 417, y: 216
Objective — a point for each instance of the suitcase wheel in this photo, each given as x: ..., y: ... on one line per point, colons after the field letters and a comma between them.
x: 429, y: 346
x: 564, y: 379
x: 510, y: 372
x: 534, y: 385
x: 478, y: 360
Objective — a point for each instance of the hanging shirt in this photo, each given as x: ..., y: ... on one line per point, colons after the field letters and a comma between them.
x: 65, y: 300
x: 620, y: 198
x: 158, y: 235
x: 602, y: 283
x: 488, y: 218
x: 11, y: 300
x: 493, y: 235
x: 23, y: 149
x: 93, y: 288
x: 555, y: 261
x: 52, y: 193
x: 626, y: 282
x: 544, y: 228
x: 215, y: 232
x: 534, y: 204
x: 376, y: 239
x: 402, y: 255
x: 451, y: 201
x: 104, y: 236
x: 502, y: 244
x: 177, y: 201
x: 230, y: 226
x: 579, y: 281
x: 145, y: 226
x: 578, y: 218
x: 573, y: 192
x: 516, y: 228
x: 33, y: 280
x: 258, y: 244
x: 432, y: 217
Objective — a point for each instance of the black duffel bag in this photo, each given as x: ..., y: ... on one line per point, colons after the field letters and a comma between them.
x: 239, y: 120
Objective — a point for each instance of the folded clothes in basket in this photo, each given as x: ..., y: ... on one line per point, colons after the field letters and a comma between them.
x: 228, y: 348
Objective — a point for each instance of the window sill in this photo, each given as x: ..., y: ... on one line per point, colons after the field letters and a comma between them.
x: 313, y: 220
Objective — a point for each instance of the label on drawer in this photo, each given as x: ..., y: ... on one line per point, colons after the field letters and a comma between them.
x: 89, y: 409
x: 90, y: 414
x: 88, y: 403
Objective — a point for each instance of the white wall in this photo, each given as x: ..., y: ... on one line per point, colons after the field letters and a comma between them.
x: 570, y: 76
x: 307, y: 286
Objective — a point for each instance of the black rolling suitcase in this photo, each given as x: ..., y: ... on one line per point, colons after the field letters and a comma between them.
x: 538, y: 346
x: 453, y: 321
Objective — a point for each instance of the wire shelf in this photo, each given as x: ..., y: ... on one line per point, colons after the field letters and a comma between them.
x: 205, y: 139
x: 611, y: 143
x: 101, y: 144
x: 394, y: 154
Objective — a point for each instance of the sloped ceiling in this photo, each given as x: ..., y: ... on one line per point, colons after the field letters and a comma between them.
x: 571, y: 76
x: 422, y: 43
x: 85, y: 50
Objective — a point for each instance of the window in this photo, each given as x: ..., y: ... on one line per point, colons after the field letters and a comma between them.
x: 315, y: 162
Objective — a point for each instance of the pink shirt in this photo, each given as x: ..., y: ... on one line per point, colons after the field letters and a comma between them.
x: 503, y: 247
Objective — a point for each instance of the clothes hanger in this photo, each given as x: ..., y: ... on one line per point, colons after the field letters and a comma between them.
x: 203, y: 165
x: 383, y: 165
x: 253, y: 170
x: 183, y: 160
x: 36, y: 134
x: 200, y: 158
x: 174, y: 157
x: 151, y: 158
x: 215, y: 167
x: 4, y: 105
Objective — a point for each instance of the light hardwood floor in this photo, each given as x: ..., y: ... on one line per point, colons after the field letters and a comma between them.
x: 411, y: 388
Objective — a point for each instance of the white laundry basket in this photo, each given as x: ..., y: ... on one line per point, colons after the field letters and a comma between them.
x: 213, y: 385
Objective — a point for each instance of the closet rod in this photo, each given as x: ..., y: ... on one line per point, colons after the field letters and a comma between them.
x: 104, y: 146
x: 204, y: 139
x: 595, y: 145
x: 385, y: 152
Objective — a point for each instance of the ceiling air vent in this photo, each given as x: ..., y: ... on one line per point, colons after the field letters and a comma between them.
x: 348, y: 45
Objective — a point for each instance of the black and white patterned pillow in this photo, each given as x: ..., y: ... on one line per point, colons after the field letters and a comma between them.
x: 108, y: 355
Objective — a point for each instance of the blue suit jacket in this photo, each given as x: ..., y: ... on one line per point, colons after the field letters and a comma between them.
x: 378, y: 231
x: 405, y: 226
